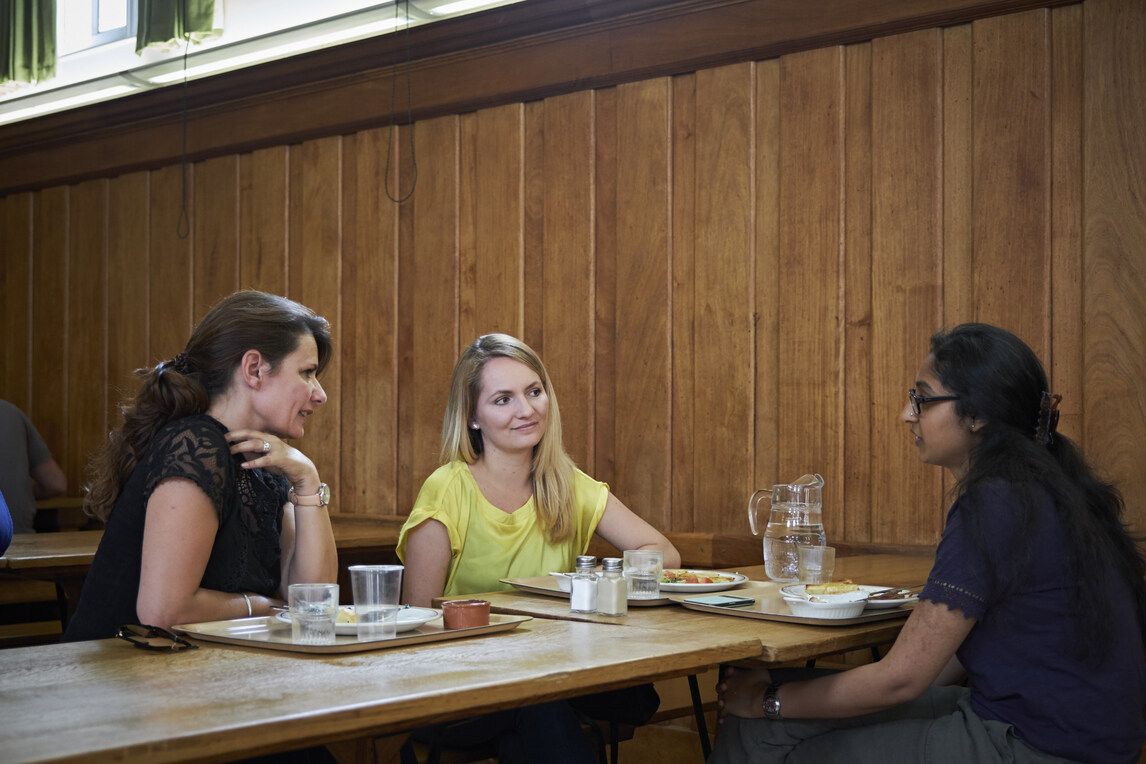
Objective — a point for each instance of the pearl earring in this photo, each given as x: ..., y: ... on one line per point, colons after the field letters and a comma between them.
x: 473, y: 425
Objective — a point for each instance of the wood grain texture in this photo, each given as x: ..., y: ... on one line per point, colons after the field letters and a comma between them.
x: 315, y: 277
x: 684, y: 414
x: 16, y: 298
x: 641, y: 427
x: 905, y: 273
x: 1114, y: 230
x: 368, y: 344
x: 128, y: 288
x: 48, y: 404
x: 263, y: 216
x: 170, y: 271
x: 565, y: 292
x: 723, y: 294
x: 216, y: 236
x: 809, y: 393
x: 86, y: 348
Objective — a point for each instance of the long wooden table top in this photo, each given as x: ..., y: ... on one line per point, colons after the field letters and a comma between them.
x: 779, y: 642
x: 105, y: 700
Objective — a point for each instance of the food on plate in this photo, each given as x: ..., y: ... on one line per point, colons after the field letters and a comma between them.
x: 346, y: 615
x: 832, y: 587
x: 674, y: 576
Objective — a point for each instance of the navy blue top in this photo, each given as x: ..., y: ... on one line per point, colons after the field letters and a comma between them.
x: 1019, y: 655
x: 246, y: 554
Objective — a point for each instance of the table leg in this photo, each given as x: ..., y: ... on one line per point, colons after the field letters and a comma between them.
x: 698, y: 710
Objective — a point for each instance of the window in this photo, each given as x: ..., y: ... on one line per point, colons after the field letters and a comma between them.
x: 97, y: 58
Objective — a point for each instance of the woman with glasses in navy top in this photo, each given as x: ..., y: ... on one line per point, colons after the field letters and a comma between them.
x: 1027, y: 641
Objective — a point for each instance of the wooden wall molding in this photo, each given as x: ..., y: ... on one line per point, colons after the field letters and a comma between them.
x: 518, y: 53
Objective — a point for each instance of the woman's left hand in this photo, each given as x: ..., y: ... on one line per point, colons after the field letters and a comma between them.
x: 741, y: 693
x: 270, y: 452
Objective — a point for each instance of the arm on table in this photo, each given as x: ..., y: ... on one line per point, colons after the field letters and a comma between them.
x: 49, y: 480
x: 427, y: 562
x: 624, y: 529
x: 178, y: 535
x: 921, y: 654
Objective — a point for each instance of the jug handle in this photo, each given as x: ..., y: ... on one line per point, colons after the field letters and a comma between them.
x: 753, y: 503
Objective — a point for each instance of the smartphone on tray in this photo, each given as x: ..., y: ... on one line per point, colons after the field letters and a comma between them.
x: 723, y: 600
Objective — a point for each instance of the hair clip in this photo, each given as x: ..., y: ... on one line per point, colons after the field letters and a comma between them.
x: 1048, y: 418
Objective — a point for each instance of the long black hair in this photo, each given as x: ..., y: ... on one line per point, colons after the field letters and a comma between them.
x: 1000, y: 381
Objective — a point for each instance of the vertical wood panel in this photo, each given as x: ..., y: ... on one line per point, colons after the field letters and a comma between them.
x: 1010, y: 193
x: 685, y: 427
x: 723, y: 292
x: 567, y: 264
x: 859, y: 374
x: 958, y: 298
x: 367, y: 334
x: 605, y: 283
x: 768, y: 152
x: 490, y: 224
x: 641, y: 426
x: 87, y: 325
x: 127, y: 288
x: 171, y: 288
x: 905, y: 273
x: 809, y: 396
x: 1065, y: 365
x: 216, y: 238
x: 428, y: 289
x: 533, y: 229
x: 1115, y: 240
x: 47, y: 405
x: 315, y: 276
x: 263, y: 219
x: 15, y: 298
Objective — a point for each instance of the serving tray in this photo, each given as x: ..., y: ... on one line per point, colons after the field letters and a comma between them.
x: 773, y: 608
x: 547, y: 586
x: 272, y: 634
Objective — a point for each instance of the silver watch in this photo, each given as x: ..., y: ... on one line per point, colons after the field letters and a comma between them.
x: 772, y: 702
x: 320, y: 499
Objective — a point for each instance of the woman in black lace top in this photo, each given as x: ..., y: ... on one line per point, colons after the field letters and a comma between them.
x: 210, y: 512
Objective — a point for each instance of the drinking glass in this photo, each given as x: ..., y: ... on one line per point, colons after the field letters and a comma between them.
x: 376, y: 592
x: 643, y: 573
x: 313, y: 611
x: 817, y: 564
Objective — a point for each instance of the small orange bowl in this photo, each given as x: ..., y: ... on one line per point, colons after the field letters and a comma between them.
x: 465, y: 614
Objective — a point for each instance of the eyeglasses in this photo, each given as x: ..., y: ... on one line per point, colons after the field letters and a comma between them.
x: 153, y: 638
x: 917, y: 400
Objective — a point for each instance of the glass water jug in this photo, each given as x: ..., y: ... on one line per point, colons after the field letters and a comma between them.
x: 794, y: 518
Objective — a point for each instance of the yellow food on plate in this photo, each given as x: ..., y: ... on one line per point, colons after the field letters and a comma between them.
x: 346, y: 615
x: 832, y: 587
x: 672, y: 576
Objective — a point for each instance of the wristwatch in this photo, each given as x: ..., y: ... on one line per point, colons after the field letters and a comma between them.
x: 772, y: 702
x: 320, y: 499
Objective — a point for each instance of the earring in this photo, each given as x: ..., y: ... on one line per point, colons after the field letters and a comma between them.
x: 971, y: 428
x: 473, y: 425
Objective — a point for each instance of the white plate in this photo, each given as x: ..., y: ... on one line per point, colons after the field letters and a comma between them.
x: 737, y: 580
x: 409, y: 618
x: 796, y: 591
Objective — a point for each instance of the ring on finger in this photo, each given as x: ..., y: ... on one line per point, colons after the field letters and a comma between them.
x: 266, y: 446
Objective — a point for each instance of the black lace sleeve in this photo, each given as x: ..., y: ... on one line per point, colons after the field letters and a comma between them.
x: 196, y: 449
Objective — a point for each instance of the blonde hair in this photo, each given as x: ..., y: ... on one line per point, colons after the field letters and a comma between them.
x: 551, y: 467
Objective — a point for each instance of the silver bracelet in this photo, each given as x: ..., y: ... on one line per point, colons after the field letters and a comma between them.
x: 248, y: 601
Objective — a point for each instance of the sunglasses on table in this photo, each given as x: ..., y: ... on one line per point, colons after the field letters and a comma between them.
x: 153, y: 638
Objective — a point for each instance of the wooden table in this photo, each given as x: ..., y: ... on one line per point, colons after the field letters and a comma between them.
x: 779, y: 642
x: 104, y: 700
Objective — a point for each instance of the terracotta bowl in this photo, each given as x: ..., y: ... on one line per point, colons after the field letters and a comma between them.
x: 465, y: 614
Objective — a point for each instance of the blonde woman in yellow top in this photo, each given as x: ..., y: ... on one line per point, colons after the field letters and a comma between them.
x: 508, y: 501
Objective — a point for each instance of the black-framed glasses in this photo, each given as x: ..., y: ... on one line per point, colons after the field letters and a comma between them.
x: 153, y: 638
x: 918, y: 400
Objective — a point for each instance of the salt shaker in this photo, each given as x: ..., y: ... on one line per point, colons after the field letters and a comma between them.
x: 583, y: 586
x: 612, y: 590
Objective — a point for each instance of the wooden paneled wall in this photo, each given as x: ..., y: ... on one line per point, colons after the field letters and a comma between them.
x: 731, y: 274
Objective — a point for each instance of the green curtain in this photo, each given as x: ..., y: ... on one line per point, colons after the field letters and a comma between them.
x: 169, y: 23
x: 27, y: 40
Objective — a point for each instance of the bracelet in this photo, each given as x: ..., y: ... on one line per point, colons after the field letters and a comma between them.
x: 248, y: 601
